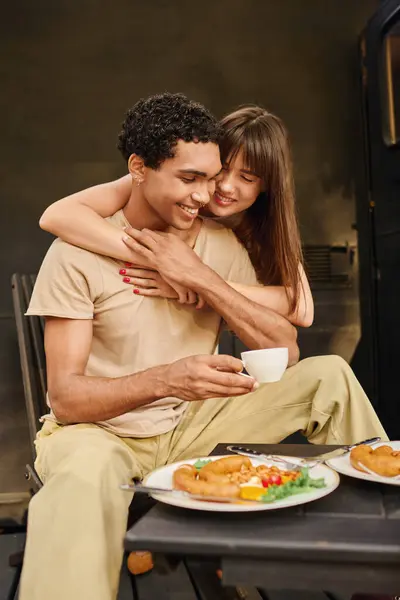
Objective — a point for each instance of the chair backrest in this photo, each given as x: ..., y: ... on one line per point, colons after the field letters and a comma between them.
x: 30, y: 332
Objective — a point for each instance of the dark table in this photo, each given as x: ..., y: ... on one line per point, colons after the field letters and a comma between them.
x: 347, y: 542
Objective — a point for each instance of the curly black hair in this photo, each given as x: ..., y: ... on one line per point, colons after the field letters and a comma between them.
x: 153, y: 127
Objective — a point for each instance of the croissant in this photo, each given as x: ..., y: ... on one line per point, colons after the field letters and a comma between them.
x: 383, y: 460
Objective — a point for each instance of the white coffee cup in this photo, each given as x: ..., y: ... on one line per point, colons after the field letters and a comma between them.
x: 266, y: 366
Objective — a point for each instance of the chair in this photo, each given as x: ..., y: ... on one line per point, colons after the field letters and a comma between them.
x: 30, y: 333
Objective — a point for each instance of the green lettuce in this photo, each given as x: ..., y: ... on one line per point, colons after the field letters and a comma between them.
x: 301, y: 485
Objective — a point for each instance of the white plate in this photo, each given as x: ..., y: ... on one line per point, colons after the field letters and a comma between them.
x: 342, y: 465
x: 162, y: 477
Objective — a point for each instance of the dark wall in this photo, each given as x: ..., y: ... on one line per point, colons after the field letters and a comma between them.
x: 70, y: 69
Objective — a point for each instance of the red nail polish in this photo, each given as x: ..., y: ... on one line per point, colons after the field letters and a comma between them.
x: 126, y: 279
x: 128, y: 265
x: 136, y: 291
x: 122, y: 271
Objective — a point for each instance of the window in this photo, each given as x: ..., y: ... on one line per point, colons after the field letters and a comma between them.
x: 391, y: 86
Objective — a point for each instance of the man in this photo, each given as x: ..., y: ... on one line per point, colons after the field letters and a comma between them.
x: 126, y: 373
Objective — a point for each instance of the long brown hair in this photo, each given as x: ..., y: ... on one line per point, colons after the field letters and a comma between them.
x: 269, y: 229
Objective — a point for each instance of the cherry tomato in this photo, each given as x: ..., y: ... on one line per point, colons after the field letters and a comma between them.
x: 275, y: 479
x: 265, y: 482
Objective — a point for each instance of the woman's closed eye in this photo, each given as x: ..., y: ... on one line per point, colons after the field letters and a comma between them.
x: 248, y: 179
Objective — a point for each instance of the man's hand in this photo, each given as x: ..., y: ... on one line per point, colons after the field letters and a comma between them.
x: 168, y: 254
x: 203, y: 377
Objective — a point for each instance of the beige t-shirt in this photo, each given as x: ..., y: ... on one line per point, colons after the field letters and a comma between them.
x: 131, y: 332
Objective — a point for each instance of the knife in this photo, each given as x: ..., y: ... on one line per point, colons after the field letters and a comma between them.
x: 344, y: 450
x: 145, y: 489
x: 311, y: 461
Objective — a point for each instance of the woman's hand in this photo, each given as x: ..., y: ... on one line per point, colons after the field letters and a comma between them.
x: 147, y: 282
x: 168, y: 254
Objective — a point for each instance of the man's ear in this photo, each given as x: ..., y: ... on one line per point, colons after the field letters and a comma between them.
x: 136, y: 168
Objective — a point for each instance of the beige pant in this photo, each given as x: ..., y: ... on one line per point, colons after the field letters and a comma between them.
x: 78, y: 520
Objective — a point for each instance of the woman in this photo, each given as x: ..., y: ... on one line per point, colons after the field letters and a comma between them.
x: 254, y: 196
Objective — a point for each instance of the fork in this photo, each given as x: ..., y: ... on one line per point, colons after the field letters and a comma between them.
x: 289, y: 466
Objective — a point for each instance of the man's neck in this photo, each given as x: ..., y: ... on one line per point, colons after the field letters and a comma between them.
x: 141, y: 215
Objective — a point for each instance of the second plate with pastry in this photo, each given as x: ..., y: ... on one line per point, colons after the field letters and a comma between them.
x: 379, y: 463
